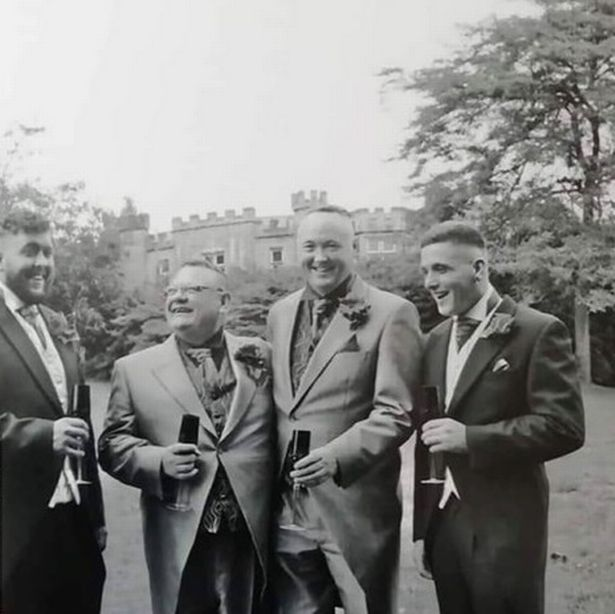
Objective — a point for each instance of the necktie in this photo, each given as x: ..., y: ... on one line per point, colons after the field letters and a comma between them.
x: 464, y: 329
x: 30, y: 314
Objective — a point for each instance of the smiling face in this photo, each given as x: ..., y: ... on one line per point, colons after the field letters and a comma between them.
x: 196, y: 303
x: 26, y: 264
x: 455, y: 275
x: 325, y: 243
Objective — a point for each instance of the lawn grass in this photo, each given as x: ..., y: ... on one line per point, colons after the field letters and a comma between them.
x: 581, y: 567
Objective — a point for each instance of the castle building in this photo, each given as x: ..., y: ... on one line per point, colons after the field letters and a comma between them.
x: 245, y: 240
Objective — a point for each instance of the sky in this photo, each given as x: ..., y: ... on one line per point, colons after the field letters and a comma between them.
x: 190, y: 106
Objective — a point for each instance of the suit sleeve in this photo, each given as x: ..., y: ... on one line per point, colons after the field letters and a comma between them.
x: 122, y: 452
x: 554, y: 425
x: 27, y: 445
x: 396, y: 376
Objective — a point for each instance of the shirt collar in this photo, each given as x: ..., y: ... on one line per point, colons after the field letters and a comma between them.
x: 215, y: 342
x: 309, y: 294
x: 478, y: 311
x: 12, y: 301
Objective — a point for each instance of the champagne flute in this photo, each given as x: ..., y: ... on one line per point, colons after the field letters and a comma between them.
x: 179, y: 496
x: 429, y: 410
x: 298, y: 448
x: 80, y: 408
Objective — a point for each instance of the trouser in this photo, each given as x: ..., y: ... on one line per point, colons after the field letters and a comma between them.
x: 61, y: 570
x: 220, y: 576
x: 314, y: 579
x: 474, y: 577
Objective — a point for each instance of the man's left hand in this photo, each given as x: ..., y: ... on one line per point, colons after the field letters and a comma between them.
x: 445, y: 435
x: 314, y: 469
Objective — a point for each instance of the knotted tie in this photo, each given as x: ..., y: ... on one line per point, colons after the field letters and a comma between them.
x: 30, y: 314
x: 464, y: 329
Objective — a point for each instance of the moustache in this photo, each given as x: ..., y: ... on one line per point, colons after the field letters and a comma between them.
x: 34, y: 271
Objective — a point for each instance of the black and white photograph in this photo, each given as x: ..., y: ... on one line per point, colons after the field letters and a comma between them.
x: 307, y: 307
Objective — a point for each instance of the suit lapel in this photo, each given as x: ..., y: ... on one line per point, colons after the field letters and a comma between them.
x: 244, y: 390
x: 69, y: 358
x: 284, y: 357
x: 338, y: 333
x: 482, y: 354
x: 30, y: 357
x: 171, y: 373
x: 436, y: 358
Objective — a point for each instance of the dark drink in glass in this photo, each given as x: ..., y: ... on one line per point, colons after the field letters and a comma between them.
x: 179, y: 492
x: 298, y: 448
x: 429, y: 409
x: 80, y: 408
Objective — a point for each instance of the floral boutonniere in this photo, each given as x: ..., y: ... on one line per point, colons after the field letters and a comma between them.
x: 256, y: 365
x: 355, y: 310
x: 500, y: 324
x: 61, y: 330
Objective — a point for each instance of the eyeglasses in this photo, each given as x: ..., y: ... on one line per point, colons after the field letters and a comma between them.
x: 188, y: 290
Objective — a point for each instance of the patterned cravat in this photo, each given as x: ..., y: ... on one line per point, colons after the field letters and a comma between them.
x: 464, y: 329
x: 30, y: 314
x: 199, y: 356
x: 321, y: 310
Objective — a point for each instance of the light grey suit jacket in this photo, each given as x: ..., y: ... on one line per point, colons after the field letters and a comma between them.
x: 355, y: 397
x: 150, y: 392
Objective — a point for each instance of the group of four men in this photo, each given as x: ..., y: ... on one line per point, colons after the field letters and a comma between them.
x: 344, y: 362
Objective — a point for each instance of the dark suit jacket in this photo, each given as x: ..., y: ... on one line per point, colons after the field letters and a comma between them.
x: 516, y: 419
x: 29, y: 406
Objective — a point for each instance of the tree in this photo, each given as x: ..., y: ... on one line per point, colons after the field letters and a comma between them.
x: 87, y: 287
x: 518, y: 133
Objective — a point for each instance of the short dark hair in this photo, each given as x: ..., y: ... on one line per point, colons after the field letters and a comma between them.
x: 16, y: 218
x: 329, y: 209
x: 453, y: 231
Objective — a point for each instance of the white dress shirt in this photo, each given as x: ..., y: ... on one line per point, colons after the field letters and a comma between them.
x: 66, y: 489
x: 455, y: 362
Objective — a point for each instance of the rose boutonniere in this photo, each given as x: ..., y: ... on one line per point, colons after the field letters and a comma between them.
x: 256, y: 365
x: 355, y: 310
x: 500, y: 324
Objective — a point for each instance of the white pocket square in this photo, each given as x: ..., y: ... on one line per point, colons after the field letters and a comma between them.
x: 501, y: 365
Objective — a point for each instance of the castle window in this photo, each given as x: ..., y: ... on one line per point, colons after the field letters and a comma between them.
x: 219, y: 259
x: 276, y: 256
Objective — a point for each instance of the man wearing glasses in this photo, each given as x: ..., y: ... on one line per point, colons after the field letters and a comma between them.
x: 210, y: 557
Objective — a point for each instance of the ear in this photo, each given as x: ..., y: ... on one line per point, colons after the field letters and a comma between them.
x: 225, y: 299
x: 480, y: 268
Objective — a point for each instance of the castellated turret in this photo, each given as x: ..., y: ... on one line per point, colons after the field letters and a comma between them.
x: 134, y: 240
x: 300, y: 204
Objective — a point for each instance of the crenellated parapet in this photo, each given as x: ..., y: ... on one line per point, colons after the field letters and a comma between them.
x: 395, y: 219
x: 212, y: 218
x: 160, y: 241
x: 133, y: 221
x: 300, y: 203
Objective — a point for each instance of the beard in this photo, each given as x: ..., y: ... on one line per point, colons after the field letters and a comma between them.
x: 31, y: 284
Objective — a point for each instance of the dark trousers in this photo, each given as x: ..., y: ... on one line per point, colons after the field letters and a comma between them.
x: 476, y: 578
x: 62, y: 570
x: 221, y: 575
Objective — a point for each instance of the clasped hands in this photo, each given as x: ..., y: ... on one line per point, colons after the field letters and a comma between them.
x: 445, y: 435
x: 314, y: 469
